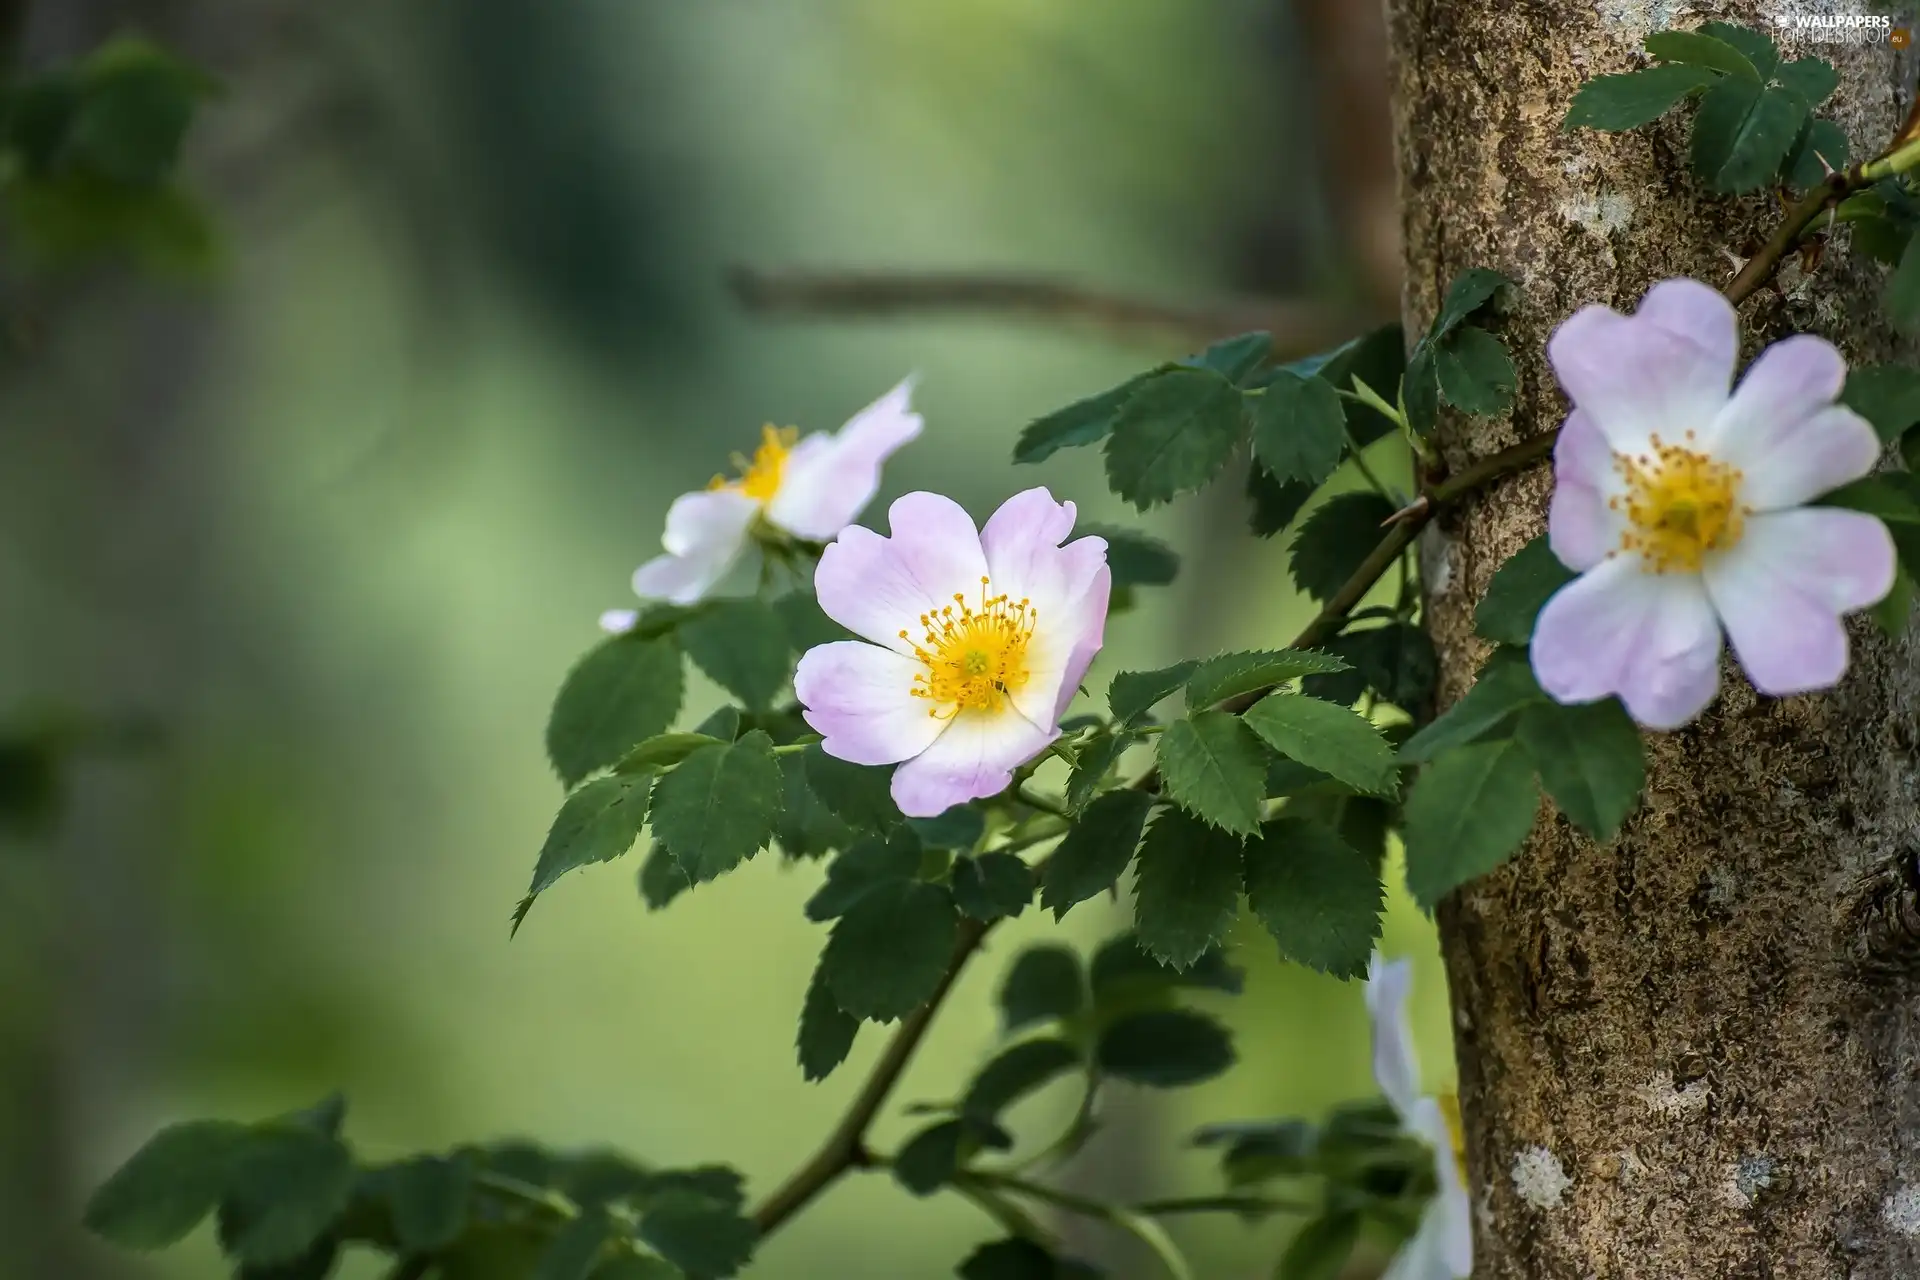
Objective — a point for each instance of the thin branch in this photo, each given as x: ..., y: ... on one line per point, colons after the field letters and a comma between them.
x: 1298, y: 327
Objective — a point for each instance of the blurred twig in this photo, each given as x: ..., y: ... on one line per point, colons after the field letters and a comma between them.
x: 1298, y: 327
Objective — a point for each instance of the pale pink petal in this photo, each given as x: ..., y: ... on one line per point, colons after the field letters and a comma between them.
x: 1581, y: 528
x: 1639, y: 376
x: 975, y: 757
x: 860, y: 699
x: 706, y: 532
x: 1784, y: 432
x: 878, y: 587
x: 823, y: 488
x: 1650, y: 638
x: 1782, y: 588
x: 1699, y: 313
x: 1396, y: 1069
x: 1066, y: 586
x: 619, y: 621
x: 1445, y: 1237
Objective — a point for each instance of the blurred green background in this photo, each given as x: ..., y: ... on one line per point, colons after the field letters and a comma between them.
x: 337, y: 517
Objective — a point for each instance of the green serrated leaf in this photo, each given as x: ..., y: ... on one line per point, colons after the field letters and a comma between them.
x: 1468, y: 292
x: 1397, y: 662
x: 861, y: 867
x: 1420, y: 390
x: 1017, y: 1258
x: 168, y: 1187
x: 1590, y: 760
x: 1694, y: 49
x: 698, y: 1235
x: 1821, y: 148
x: 1173, y: 435
x: 1045, y: 984
x: 1236, y: 358
x: 1134, y: 693
x: 889, y: 951
x: 1742, y: 133
x: 1320, y: 898
x: 1091, y: 766
x: 826, y: 1030
x: 859, y: 795
x: 1215, y: 768
x: 1758, y: 48
x: 623, y: 692
x: 1095, y: 852
x: 718, y: 806
x: 807, y: 828
x: 1166, y: 1048
x: 1519, y: 590
x: 1895, y: 609
x: 1334, y: 739
x: 1901, y: 296
x: 666, y: 749
x: 598, y: 823
x: 1626, y: 101
x: 1505, y: 687
x: 1888, y: 396
x: 1299, y: 428
x: 1336, y: 540
x: 1083, y: 422
x: 286, y: 1188
x: 992, y: 886
x: 1121, y: 970
x: 1186, y: 888
x: 803, y: 623
x: 1230, y: 675
x: 742, y: 646
x: 429, y: 1198
x: 1468, y: 812
x: 661, y: 879
x: 1814, y: 79
x: 1476, y: 373
x: 1135, y: 559
x: 1274, y: 503
x: 1016, y: 1072
x: 927, y: 1161
x: 958, y: 828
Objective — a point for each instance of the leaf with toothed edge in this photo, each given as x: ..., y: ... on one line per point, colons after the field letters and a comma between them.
x: 1186, y: 888
x: 1215, y: 767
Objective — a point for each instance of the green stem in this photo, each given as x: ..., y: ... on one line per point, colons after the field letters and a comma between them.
x: 1224, y: 1204
x: 1132, y: 1221
x: 527, y: 1193
x: 1043, y: 802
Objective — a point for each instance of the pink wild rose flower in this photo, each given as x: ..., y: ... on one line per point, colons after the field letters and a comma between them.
x: 974, y: 641
x: 1682, y: 503
x: 808, y: 488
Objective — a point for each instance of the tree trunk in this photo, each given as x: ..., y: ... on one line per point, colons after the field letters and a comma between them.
x: 1690, y: 1053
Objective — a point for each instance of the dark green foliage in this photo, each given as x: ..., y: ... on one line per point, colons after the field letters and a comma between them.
x: 1519, y: 590
x: 1327, y: 737
x: 1887, y: 395
x: 1694, y: 48
x: 1017, y: 1258
x: 1396, y: 661
x: 1215, y: 767
x: 571, y: 1252
x: 1135, y: 559
x: 1758, y: 48
x: 1336, y: 539
x: 826, y: 1030
x: 1633, y: 98
x: 1095, y: 852
x: 958, y: 828
x: 890, y: 950
x: 1121, y: 968
x: 856, y: 794
x: 1094, y: 760
x: 598, y: 823
x: 1820, y: 149
x: 1134, y: 693
x: 862, y: 867
x: 1319, y: 898
x: 931, y: 1157
x: 661, y: 879
x: 1166, y: 1048
x: 1231, y: 675
x: 1299, y: 430
x: 992, y: 886
x: 1236, y: 358
x: 698, y: 1233
x: 806, y: 828
x: 168, y: 1187
x: 1274, y: 502
x: 1321, y: 1249
x: 1173, y: 435
x: 1466, y: 814
x: 1505, y: 686
x: 1475, y: 372
x: 742, y: 645
x: 1044, y: 985
x: 1186, y: 888
x: 1901, y: 297
x: 1590, y: 760
x: 718, y: 806
x: 429, y: 1198
x: 1016, y: 1072
x: 626, y: 690
x: 285, y: 1188
x: 1083, y: 422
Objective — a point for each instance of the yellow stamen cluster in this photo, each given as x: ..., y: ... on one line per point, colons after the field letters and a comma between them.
x: 760, y: 474
x: 1680, y: 503
x: 974, y: 655
x: 1450, y: 1108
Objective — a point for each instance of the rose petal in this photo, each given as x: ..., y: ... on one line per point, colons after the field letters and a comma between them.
x: 706, y: 532
x: 1654, y: 373
x: 619, y: 621
x: 1423, y: 1256
x: 1782, y: 588
x: 1783, y: 430
x: 878, y: 587
x: 975, y: 757
x: 1068, y: 588
x: 1581, y: 527
x: 1396, y: 1069
x: 1446, y: 1228
x: 1650, y: 638
x: 859, y: 697
x: 822, y: 489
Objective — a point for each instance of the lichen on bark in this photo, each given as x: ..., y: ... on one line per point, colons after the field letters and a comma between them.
x: 1709, y: 1025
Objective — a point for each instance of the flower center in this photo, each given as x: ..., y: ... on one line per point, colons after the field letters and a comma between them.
x: 1680, y: 503
x: 975, y: 655
x: 1450, y: 1109
x: 760, y: 474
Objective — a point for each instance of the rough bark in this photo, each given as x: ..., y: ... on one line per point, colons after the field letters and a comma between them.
x: 1708, y: 1028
